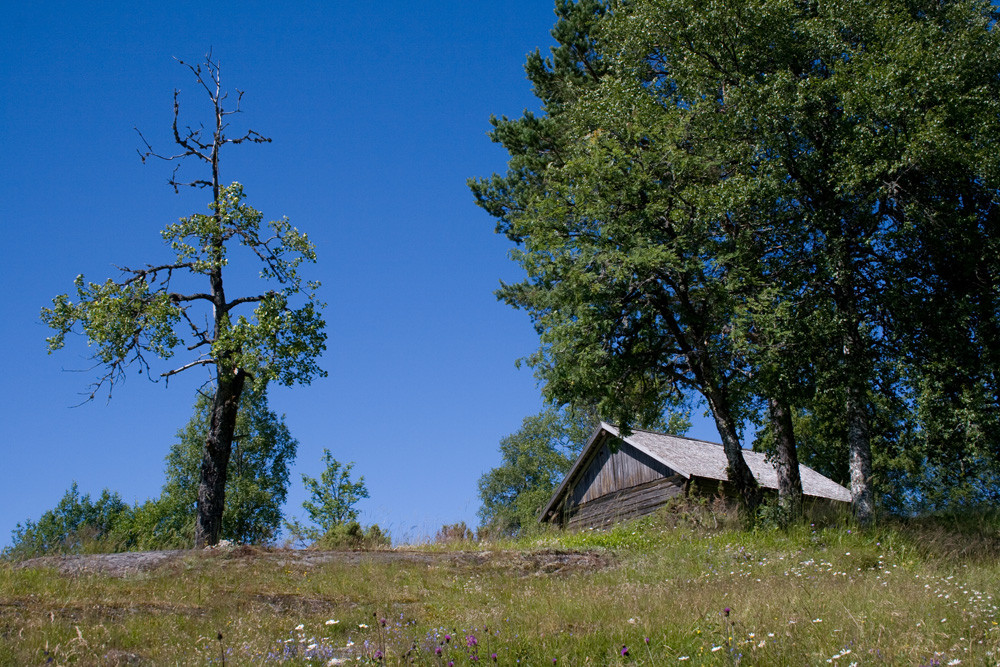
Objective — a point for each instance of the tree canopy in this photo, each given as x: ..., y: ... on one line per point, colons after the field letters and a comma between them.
x: 783, y: 207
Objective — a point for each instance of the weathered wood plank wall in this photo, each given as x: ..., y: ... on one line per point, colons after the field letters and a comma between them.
x: 616, y: 466
x: 629, y: 503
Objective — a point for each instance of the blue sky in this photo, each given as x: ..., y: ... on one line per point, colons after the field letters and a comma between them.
x: 378, y: 114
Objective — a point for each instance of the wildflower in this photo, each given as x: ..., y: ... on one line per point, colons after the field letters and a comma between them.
x: 300, y: 627
x: 956, y: 661
x: 470, y: 641
x: 493, y: 657
x: 382, y: 622
x: 332, y: 622
x: 447, y: 638
x: 817, y: 620
x: 624, y: 650
x: 684, y: 657
x: 716, y: 648
x: 726, y: 611
x: 363, y: 626
x: 437, y: 651
x: 647, y: 641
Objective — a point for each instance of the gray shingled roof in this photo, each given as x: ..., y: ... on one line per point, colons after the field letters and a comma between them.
x: 697, y: 458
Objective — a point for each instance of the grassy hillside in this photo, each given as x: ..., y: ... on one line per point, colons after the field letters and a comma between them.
x: 682, y: 588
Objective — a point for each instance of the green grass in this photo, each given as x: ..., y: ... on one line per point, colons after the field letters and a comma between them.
x: 897, y: 594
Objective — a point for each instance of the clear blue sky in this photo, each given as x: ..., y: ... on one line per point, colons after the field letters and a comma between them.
x: 378, y: 114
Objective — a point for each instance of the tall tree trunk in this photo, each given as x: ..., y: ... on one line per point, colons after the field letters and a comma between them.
x: 789, y: 481
x: 740, y: 476
x: 860, y: 455
x: 857, y: 378
x: 215, y: 458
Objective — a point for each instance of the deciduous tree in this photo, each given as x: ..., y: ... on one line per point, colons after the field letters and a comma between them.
x: 332, y: 498
x: 154, y: 310
x: 256, y: 481
x: 534, y: 460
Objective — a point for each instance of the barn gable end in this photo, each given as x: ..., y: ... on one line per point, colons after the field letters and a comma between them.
x: 614, y: 481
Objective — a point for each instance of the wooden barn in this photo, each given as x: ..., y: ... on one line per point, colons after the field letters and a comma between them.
x: 618, y: 478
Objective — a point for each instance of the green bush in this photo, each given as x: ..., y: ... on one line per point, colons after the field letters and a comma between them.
x: 351, y: 535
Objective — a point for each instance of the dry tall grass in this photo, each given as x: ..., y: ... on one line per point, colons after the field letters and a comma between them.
x: 681, y: 587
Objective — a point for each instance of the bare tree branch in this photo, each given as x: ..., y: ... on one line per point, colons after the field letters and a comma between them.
x: 192, y: 364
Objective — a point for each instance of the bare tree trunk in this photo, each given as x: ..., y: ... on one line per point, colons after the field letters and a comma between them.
x: 789, y: 481
x: 860, y: 456
x: 215, y: 458
x: 740, y: 476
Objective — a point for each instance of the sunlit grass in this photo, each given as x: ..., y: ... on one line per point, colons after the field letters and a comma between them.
x: 656, y: 592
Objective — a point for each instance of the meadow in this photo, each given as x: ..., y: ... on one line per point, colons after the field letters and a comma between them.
x: 681, y: 587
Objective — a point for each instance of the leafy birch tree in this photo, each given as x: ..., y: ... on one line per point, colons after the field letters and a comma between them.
x: 534, y: 461
x: 770, y: 203
x: 626, y: 277
x: 332, y: 499
x: 154, y: 310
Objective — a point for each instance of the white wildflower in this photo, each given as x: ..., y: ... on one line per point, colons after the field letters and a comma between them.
x: 300, y: 627
x: 716, y: 648
x: 332, y: 622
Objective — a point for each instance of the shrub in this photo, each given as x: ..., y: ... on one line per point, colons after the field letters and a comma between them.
x: 456, y: 532
x: 351, y: 535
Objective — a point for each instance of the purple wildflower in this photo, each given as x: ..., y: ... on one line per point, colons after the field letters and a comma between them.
x: 726, y: 611
x: 624, y: 650
x: 471, y: 641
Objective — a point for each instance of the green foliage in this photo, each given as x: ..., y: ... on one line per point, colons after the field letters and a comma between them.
x: 534, y: 460
x: 351, y: 535
x: 76, y: 524
x: 142, y: 314
x: 332, y: 499
x: 256, y: 481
